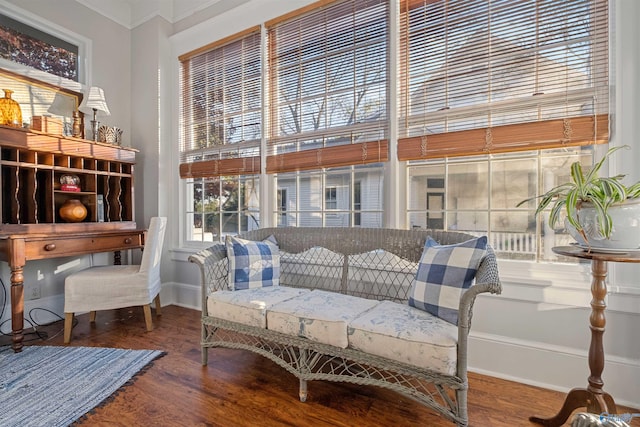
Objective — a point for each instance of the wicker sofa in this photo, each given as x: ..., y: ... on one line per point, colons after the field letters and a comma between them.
x: 370, y: 267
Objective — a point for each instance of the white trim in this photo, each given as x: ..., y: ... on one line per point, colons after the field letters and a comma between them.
x: 40, y: 310
x: 550, y: 366
x: 118, y: 12
x: 182, y: 254
x: 179, y: 15
x: 561, y: 284
x: 186, y: 295
x: 84, y: 49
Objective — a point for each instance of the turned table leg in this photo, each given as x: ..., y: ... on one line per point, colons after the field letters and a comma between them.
x: 593, y: 397
x: 597, y: 323
x: 17, y: 307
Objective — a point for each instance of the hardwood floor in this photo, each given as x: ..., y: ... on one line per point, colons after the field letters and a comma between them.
x: 239, y: 388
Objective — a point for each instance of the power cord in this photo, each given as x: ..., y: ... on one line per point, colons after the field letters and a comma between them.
x: 36, y: 334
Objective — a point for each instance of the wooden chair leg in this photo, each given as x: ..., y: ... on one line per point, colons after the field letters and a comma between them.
x: 92, y: 316
x: 147, y: 317
x: 158, y: 309
x: 68, y: 324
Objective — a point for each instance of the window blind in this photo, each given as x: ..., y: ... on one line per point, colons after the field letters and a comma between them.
x: 490, y: 76
x: 220, y: 109
x: 328, y: 76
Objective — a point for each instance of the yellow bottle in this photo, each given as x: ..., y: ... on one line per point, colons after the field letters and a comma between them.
x: 10, y: 113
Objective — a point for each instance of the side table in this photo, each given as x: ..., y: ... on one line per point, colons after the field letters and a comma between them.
x: 594, y: 398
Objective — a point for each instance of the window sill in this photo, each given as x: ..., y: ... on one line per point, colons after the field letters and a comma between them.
x: 562, y: 284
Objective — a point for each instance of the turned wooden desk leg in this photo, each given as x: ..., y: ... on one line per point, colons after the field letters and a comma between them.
x: 17, y: 307
x: 593, y: 397
x: 117, y: 258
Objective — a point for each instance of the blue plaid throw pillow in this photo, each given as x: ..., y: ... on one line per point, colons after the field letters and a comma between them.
x: 444, y: 273
x: 253, y: 264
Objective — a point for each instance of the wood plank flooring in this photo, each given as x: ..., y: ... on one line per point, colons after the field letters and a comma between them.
x: 239, y: 388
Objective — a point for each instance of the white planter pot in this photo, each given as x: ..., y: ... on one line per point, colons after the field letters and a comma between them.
x: 626, y: 227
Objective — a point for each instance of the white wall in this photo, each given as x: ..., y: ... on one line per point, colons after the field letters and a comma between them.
x: 536, y: 332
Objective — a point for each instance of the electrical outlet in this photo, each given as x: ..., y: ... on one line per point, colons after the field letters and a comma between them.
x: 34, y: 292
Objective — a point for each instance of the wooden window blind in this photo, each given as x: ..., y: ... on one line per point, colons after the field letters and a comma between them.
x: 329, y: 82
x: 221, y: 107
x: 500, y: 75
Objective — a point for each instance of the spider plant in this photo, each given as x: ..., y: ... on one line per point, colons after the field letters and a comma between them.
x: 599, y: 192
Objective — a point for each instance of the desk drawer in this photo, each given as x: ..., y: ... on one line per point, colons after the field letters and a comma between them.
x: 59, y: 247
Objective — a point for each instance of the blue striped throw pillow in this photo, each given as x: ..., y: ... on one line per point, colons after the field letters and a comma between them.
x: 253, y: 264
x: 445, y: 272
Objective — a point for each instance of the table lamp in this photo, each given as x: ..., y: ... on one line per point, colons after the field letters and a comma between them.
x: 94, y: 101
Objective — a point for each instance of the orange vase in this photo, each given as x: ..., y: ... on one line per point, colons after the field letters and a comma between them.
x: 10, y: 113
x: 73, y: 211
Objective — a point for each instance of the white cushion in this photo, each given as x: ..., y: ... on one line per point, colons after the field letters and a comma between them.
x: 406, y: 334
x: 319, y: 316
x: 249, y: 306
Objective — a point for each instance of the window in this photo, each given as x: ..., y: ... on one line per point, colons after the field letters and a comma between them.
x: 220, y: 136
x: 331, y: 198
x: 493, y: 98
x: 323, y: 198
x: 502, y: 76
x: 282, y: 206
x: 221, y: 108
x: 357, y: 203
x: 329, y: 84
x: 222, y: 205
x: 496, y: 96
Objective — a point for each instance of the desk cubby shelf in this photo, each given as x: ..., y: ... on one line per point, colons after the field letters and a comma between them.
x: 31, y: 164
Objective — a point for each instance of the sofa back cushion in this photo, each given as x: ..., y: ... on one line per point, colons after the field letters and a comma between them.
x: 444, y: 273
x: 253, y: 264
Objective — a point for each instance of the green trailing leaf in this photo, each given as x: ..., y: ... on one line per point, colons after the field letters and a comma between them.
x: 633, y: 192
x: 601, y: 193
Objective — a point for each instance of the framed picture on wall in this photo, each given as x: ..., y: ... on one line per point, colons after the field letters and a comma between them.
x: 26, y: 45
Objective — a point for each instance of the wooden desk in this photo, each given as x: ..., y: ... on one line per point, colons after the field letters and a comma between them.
x: 20, y: 247
x: 594, y: 398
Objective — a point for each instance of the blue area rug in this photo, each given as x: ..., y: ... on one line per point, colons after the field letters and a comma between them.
x: 55, y: 386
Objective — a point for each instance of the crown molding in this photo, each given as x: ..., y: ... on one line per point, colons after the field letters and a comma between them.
x: 132, y: 13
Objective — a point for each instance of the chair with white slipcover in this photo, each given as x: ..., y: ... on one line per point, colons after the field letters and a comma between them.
x: 117, y: 286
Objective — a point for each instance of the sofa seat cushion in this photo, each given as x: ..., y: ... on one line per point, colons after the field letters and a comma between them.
x: 318, y: 315
x: 406, y: 334
x: 249, y: 306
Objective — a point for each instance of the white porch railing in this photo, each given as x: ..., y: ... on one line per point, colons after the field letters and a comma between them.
x: 523, y: 243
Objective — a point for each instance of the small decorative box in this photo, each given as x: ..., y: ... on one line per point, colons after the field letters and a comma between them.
x: 70, y: 183
x: 47, y: 124
x: 69, y: 187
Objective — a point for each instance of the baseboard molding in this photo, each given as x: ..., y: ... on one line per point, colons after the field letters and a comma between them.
x: 183, y: 295
x: 41, y: 311
x: 551, y: 367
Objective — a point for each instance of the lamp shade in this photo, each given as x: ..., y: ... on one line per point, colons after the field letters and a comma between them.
x: 62, y: 105
x: 95, y: 101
